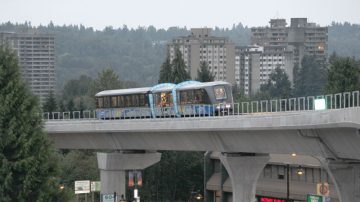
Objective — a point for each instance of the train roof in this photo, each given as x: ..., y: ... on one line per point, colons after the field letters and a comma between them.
x: 160, y: 88
x: 123, y: 91
x: 202, y: 85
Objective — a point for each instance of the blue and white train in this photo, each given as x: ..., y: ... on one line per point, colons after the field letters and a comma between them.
x: 189, y: 98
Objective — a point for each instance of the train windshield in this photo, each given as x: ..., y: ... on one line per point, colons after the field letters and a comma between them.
x: 220, y: 92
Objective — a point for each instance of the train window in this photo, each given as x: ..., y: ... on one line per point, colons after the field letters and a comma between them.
x: 100, y: 103
x: 164, y: 99
x: 113, y: 101
x: 199, y: 97
x: 183, y: 97
x: 128, y: 101
x: 121, y: 101
x: 106, y: 102
x: 135, y: 101
x: 142, y: 100
x: 219, y: 92
x: 187, y: 97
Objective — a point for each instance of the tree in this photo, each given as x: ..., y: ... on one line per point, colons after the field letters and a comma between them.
x: 174, y: 176
x: 28, y: 165
x: 311, y: 78
x: 50, y: 103
x: 278, y: 85
x: 179, y: 73
x: 203, y: 74
x: 107, y: 80
x: 165, y: 72
x: 344, y: 75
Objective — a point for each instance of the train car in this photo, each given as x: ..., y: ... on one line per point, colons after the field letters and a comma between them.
x: 123, y: 103
x: 189, y: 98
x: 202, y: 99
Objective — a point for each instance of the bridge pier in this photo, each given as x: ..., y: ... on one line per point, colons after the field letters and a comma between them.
x: 346, y: 177
x: 113, y: 167
x: 244, y: 170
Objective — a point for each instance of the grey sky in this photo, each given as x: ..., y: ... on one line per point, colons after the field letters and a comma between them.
x: 167, y: 13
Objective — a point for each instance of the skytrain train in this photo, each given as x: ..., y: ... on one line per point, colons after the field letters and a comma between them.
x: 189, y: 98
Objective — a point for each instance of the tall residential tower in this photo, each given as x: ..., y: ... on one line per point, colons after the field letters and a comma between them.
x: 218, y: 52
x: 36, y: 57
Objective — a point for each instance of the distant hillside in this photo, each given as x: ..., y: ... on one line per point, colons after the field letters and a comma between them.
x: 136, y: 54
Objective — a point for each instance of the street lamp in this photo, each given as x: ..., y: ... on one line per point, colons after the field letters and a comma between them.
x: 299, y: 171
x: 61, y: 186
x: 198, y: 196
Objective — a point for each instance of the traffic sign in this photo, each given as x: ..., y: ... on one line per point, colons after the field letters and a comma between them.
x: 108, y: 198
x: 95, y: 186
x: 323, y: 189
x: 82, y: 187
x: 314, y: 198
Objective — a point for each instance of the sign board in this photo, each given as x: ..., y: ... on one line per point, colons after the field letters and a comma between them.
x: 108, y: 198
x: 323, y: 189
x: 314, y: 198
x: 320, y: 104
x: 95, y: 186
x: 82, y: 187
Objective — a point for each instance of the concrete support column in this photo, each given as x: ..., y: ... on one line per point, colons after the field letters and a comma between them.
x: 346, y: 177
x: 244, y: 171
x: 113, y: 168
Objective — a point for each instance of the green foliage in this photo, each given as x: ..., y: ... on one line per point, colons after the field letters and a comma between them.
x: 203, y: 74
x: 278, y: 85
x: 344, y: 75
x: 107, y: 80
x: 50, y: 103
x: 174, y: 177
x: 344, y: 39
x: 28, y: 165
x: 165, y: 72
x: 79, y: 165
x: 311, y: 78
x: 179, y: 68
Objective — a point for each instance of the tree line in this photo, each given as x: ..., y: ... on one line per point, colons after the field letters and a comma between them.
x: 136, y: 54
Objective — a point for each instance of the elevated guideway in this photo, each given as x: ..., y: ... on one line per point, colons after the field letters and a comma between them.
x: 328, y: 133
x: 247, y: 140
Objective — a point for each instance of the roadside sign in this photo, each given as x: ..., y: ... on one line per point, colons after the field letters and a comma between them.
x: 95, y: 186
x: 82, y: 187
x: 314, y: 198
x: 323, y: 189
x: 108, y: 198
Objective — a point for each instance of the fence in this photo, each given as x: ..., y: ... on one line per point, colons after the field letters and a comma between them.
x: 332, y: 101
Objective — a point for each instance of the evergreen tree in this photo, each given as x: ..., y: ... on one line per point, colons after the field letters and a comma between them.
x: 179, y: 68
x: 311, y: 78
x: 203, y: 74
x: 165, y: 72
x: 278, y: 85
x: 50, y: 103
x: 344, y: 75
x: 107, y: 80
x: 28, y: 165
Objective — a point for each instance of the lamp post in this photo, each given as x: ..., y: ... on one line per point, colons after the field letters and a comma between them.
x: 299, y: 171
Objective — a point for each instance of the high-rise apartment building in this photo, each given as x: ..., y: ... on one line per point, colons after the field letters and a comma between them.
x: 36, y: 57
x: 218, y: 52
x: 305, y: 38
x: 254, y: 64
x: 277, y: 46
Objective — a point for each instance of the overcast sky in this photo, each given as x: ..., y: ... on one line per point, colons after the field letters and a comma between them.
x: 167, y: 13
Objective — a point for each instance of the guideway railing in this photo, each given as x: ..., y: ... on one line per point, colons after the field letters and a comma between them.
x: 332, y: 101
